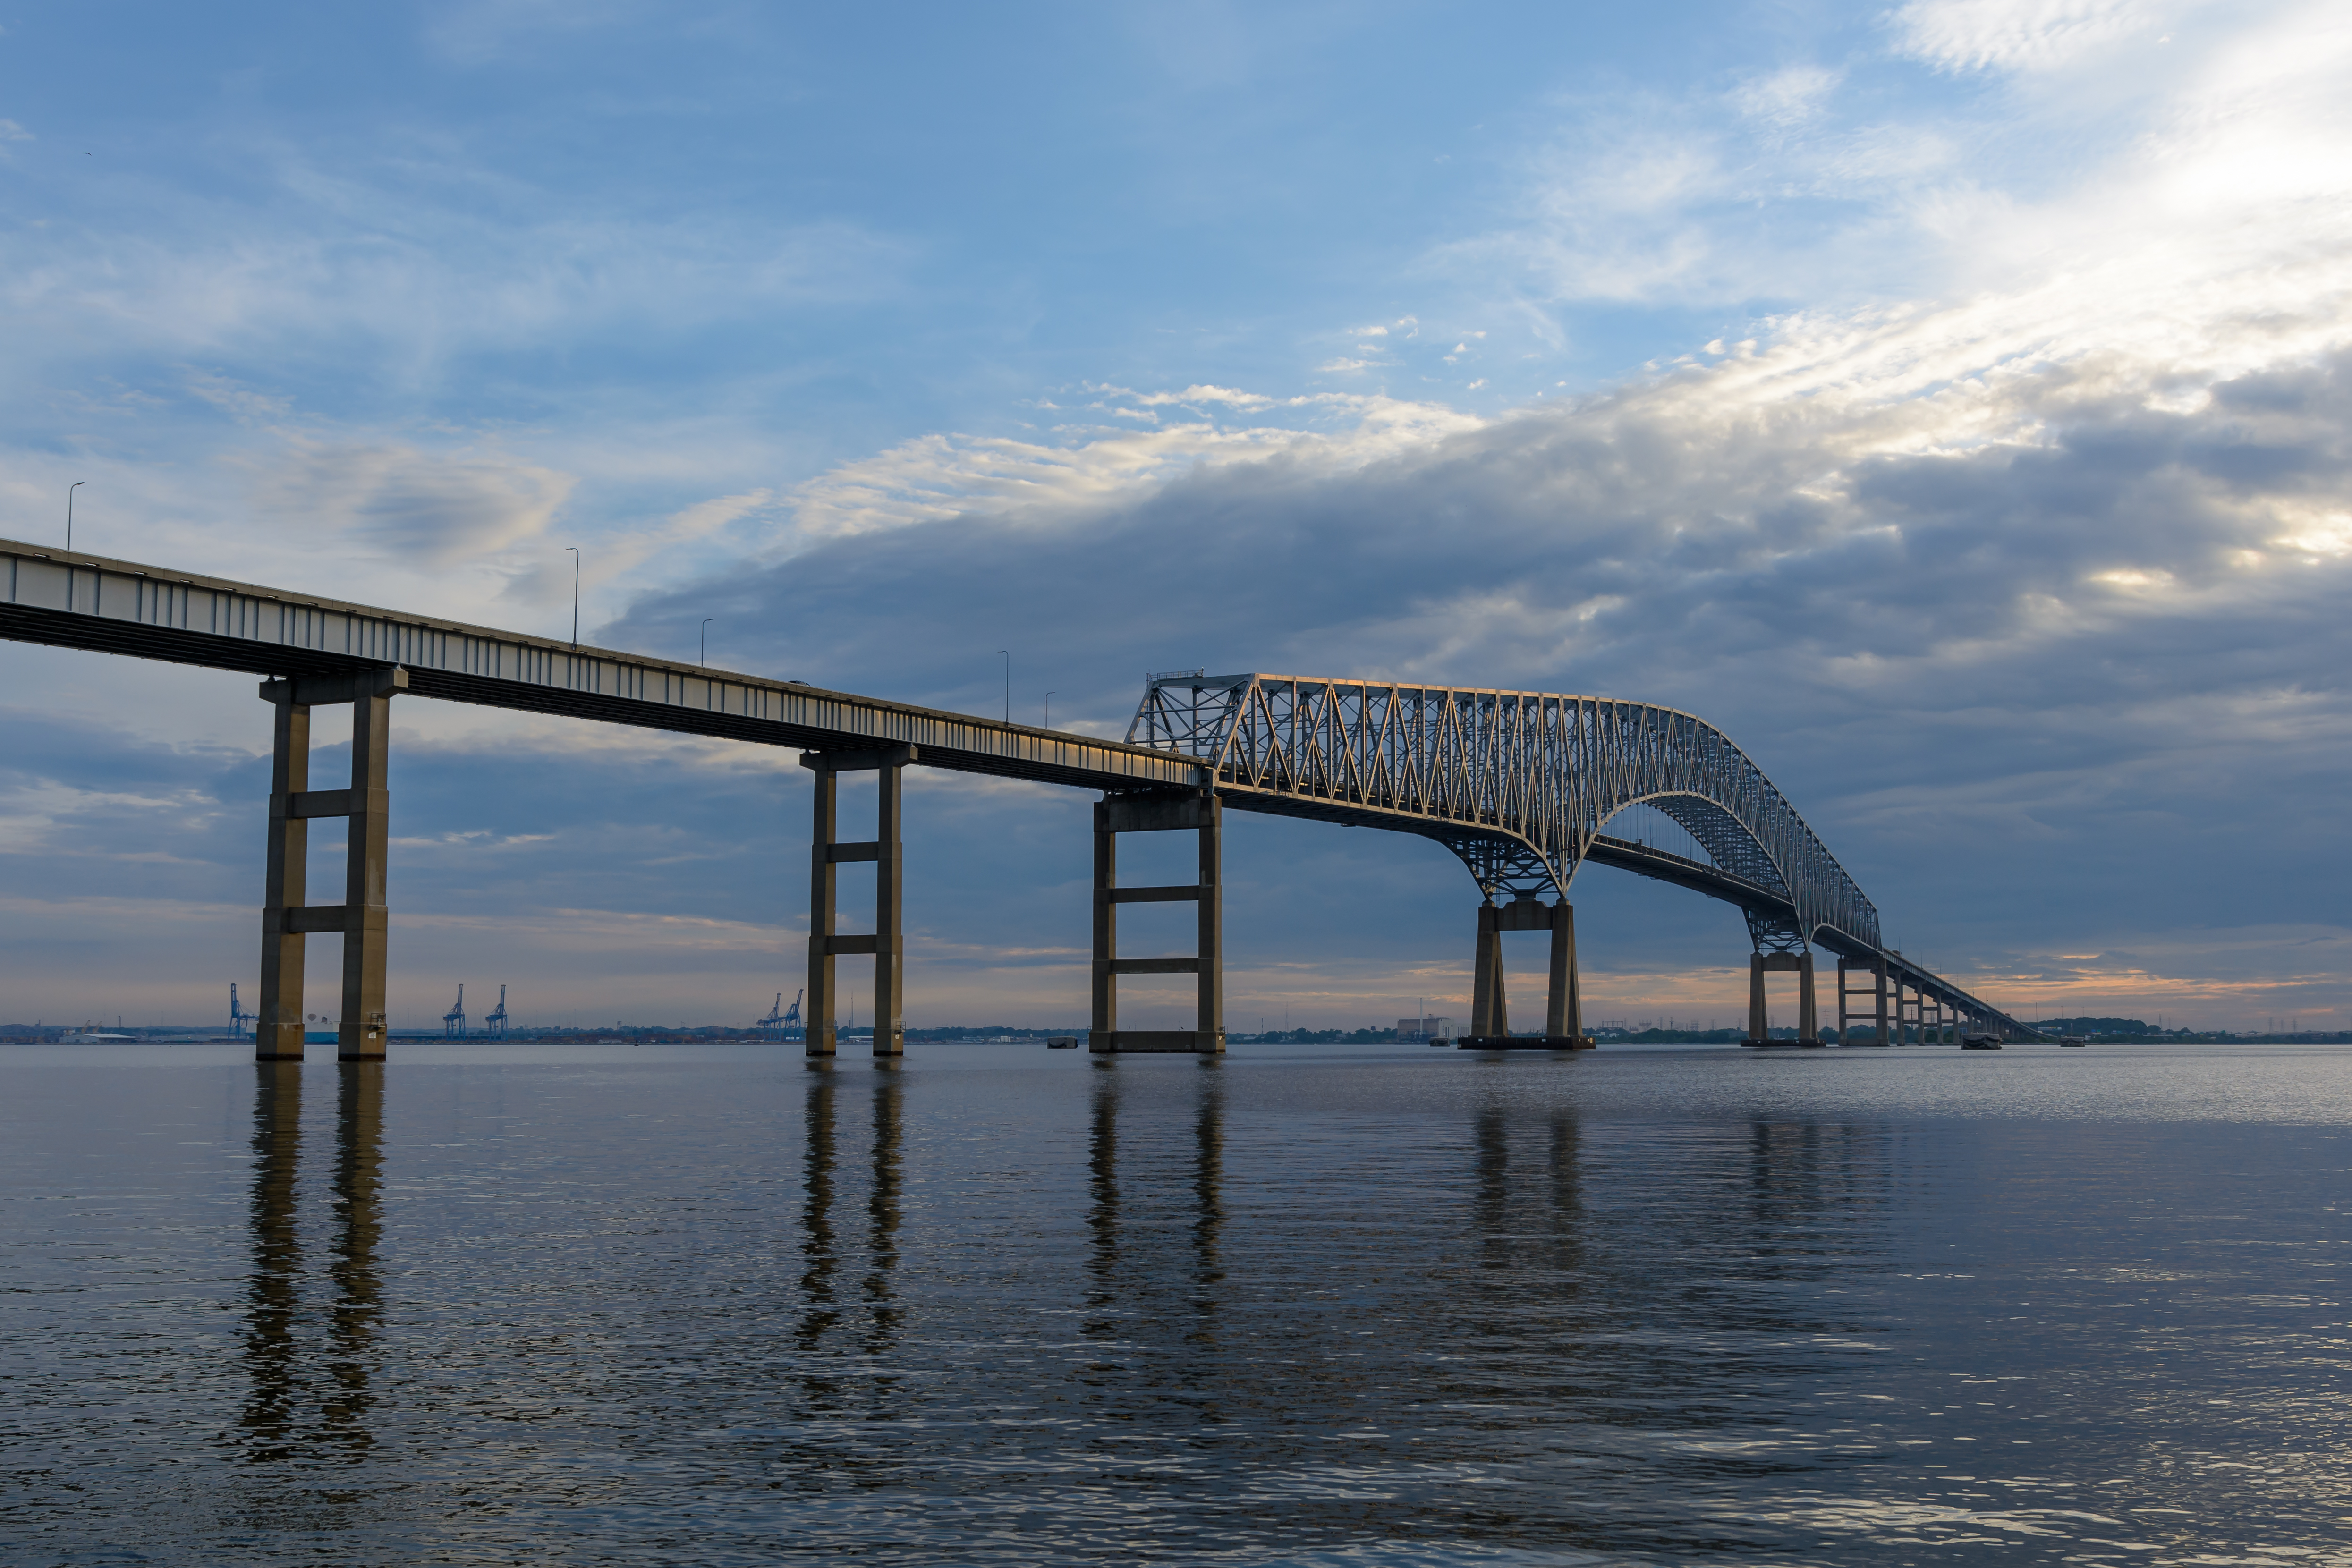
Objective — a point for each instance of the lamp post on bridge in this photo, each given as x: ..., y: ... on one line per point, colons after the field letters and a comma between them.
x: 575, y: 596
x: 1008, y: 686
x: 70, y: 500
x: 1049, y: 710
x: 704, y: 657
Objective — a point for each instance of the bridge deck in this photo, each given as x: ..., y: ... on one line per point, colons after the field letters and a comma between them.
x: 124, y: 607
x: 79, y: 600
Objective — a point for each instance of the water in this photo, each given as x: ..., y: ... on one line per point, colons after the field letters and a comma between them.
x: 1329, y: 1306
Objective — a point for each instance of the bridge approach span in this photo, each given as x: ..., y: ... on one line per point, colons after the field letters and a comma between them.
x: 1519, y: 784
x: 125, y: 607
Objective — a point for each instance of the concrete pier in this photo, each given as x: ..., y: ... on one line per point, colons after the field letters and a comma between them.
x: 1197, y: 810
x: 1809, y: 1028
x: 286, y: 917
x: 1875, y: 969
x: 886, y: 850
x: 1490, y: 1023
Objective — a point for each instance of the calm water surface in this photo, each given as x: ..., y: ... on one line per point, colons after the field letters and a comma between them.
x: 1388, y: 1306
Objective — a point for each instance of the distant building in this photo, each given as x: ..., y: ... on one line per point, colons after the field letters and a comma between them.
x: 1425, y: 1029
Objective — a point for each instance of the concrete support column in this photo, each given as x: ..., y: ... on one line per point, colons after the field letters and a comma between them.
x: 1878, y: 970
x: 889, y: 939
x: 1809, y: 1023
x: 818, y: 1016
x: 1102, y: 1026
x: 287, y: 914
x: 1564, y: 999
x: 1490, y: 1011
x: 1489, y: 1015
x: 1159, y: 811
x: 1759, y: 1017
x: 360, y: 1033
x: 280, y: 1036
x: 886, y: 850
x: 1758, y: 1022
x: 1209, y: 1022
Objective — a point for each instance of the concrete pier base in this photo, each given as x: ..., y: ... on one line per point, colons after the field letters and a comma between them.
x: 1137, y: 1041
x: 1490, y: 1024
x: 1760, y: 1034
x: 1526, y: 1043
x: 1875, y: 970
x: 1148, y: 812
x: 887, y: 851
x: 361, y: 919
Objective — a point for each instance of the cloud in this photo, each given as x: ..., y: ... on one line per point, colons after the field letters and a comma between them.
x: 402, y: 504
x: 945, y: 477
x: 2054, y: 586
x: 1789, y: 96
x: 2013, y: 540
x: 2014, y: 35
x: 1841, y: 187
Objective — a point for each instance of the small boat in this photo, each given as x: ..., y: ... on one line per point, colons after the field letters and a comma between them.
x: 1979, y: 1043
x: 1062, y: 1042
x: 2071, y: 1039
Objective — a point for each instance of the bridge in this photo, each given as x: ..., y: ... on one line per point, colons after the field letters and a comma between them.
x: 1520, y: 785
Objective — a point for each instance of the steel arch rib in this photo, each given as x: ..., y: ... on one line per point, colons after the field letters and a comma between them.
x: 1533, y: 776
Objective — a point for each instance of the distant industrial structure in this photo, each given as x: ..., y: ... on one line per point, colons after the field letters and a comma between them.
x: 781, y: 1017
x: 495, y: 1026
x: 240, y: 1022
x: 453, y: 1022
x: 1426, y: 1030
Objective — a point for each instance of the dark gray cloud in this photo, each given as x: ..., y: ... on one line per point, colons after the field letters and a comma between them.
x: 2036, y: 692
x: 2070, y: 703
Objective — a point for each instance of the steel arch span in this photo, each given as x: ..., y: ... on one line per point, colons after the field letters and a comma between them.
x: 1519, y: 784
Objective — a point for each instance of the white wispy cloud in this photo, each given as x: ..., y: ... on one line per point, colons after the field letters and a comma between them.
x: 943, y: 476
x: 2017, y: 35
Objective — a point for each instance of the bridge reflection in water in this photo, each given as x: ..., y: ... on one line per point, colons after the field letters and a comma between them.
x: 311, y: 1355
x: 1030, y: 1307
x: 1155, y: 1264
x: 1218, y: 1320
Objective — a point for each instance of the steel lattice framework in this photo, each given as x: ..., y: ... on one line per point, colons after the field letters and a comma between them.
x: 1519, y: 784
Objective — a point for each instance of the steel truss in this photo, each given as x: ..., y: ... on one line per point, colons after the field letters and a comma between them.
x: 1518, y: 784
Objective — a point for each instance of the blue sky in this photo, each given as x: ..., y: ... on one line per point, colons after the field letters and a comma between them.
x: 1946, y: 399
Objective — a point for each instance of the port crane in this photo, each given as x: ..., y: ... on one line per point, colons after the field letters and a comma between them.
x: 453, y: 1022
x: 240, y: 1022
x: 494, y: 1027
x: 780, y: 1017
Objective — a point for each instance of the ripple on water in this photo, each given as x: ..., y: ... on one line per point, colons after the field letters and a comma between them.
x: 1335, y: 1307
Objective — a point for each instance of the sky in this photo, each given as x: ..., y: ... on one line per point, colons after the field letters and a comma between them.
x: 1948, y: 401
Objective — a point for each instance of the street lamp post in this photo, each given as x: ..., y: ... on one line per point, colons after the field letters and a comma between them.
x: 575, y: 596
x: 1049, y: 710
x: 70, y: 499
x: 704, y: 658
x: 1008, y: 686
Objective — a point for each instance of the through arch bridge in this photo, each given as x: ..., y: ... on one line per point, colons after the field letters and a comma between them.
x: 1520, y: 785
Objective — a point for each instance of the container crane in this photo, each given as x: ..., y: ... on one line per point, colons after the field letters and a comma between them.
x: 453, y: 1022
x: 240, y: 1022
x: 495, y: 1024
x: 780, y: 1017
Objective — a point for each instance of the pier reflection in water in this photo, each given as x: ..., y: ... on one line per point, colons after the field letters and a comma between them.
x: 273, y: 1406
x: 309, y: 1341
x: 716, y: 1307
